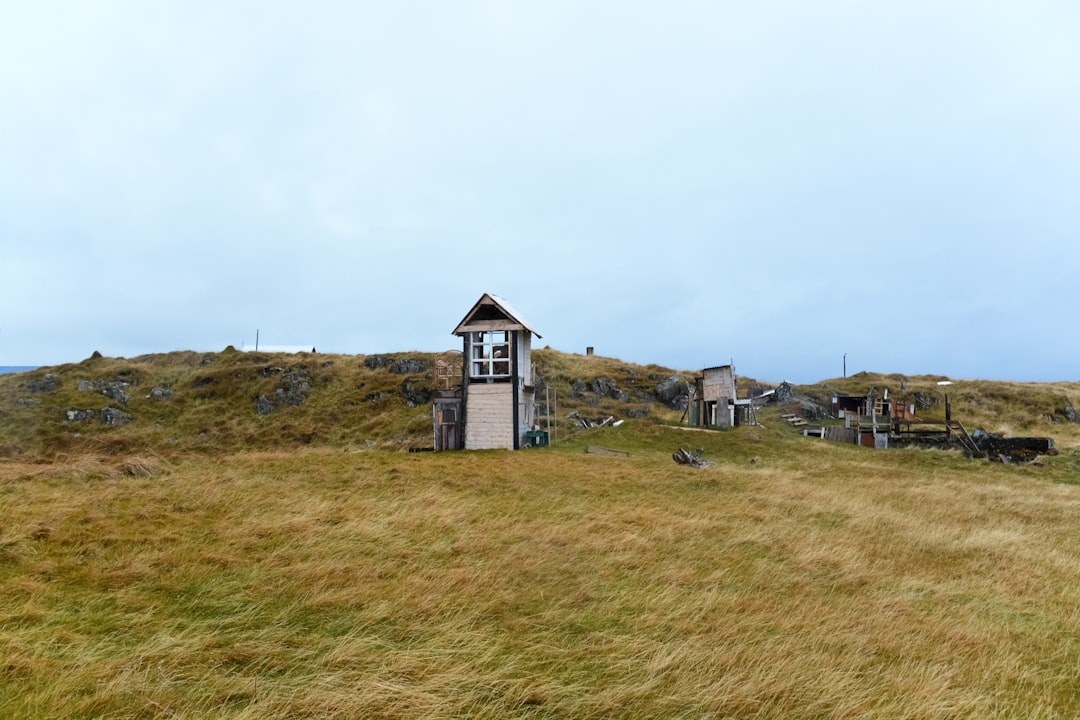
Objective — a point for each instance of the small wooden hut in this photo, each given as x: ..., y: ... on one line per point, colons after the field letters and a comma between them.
x: 715, y: 393
x: 494, y: 406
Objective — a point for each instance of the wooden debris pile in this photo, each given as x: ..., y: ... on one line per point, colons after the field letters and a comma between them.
x: 1007, y: 450
x: 586, y: 423
x: 694, y: 459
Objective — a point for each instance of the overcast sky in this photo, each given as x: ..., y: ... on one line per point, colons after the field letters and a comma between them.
x: 681, y: 183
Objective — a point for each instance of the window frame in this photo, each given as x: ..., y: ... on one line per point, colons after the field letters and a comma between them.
x: 490, y: 355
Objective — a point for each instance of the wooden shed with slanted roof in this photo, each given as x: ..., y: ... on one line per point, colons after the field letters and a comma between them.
x: 494, y: 406
x: 715, y: 392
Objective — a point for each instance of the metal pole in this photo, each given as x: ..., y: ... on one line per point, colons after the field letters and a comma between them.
x: 547, y: 405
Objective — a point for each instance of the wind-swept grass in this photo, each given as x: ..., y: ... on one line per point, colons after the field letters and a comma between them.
x: 793, y: 578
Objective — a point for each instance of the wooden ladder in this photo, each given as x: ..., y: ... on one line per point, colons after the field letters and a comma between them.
x: 965, y: 439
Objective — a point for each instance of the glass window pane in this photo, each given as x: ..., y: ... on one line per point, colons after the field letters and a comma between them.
x: 485, y: 346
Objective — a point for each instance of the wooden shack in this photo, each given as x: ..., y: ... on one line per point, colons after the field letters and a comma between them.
x: 715, y: 395
x: 871, y: 404
x: 446, y: 408
x: 494, y: 405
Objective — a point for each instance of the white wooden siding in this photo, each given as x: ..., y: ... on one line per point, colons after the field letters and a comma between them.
x: 524, y: 358
x: 489, y: 417
x: 526, y: 412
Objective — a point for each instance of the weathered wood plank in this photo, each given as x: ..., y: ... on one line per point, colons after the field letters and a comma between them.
x: 489, y: 417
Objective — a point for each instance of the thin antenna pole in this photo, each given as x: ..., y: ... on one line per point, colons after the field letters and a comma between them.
x: 256, y: 340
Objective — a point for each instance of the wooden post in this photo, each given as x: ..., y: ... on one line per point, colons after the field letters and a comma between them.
x: 948, y: 417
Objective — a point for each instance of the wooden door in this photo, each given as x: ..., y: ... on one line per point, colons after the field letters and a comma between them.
x: 447, y: 425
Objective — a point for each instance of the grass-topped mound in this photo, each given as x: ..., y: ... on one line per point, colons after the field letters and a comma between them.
x: 224, y: 402
x: 180, y: 402
x: 215, y: 402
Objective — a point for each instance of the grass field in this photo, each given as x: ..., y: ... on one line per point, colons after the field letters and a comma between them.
x: 793, y: 578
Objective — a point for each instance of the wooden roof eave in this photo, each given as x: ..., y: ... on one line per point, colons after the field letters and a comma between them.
x: 514, y: 319
x: 487, y: 326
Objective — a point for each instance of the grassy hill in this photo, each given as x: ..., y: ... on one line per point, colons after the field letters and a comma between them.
x: 181, y: 402
x: 170, y: 404
x: 206, y: 560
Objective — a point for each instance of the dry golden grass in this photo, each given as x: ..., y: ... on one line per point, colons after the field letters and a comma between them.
x: 818, y: 580
x: 206, y: 561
